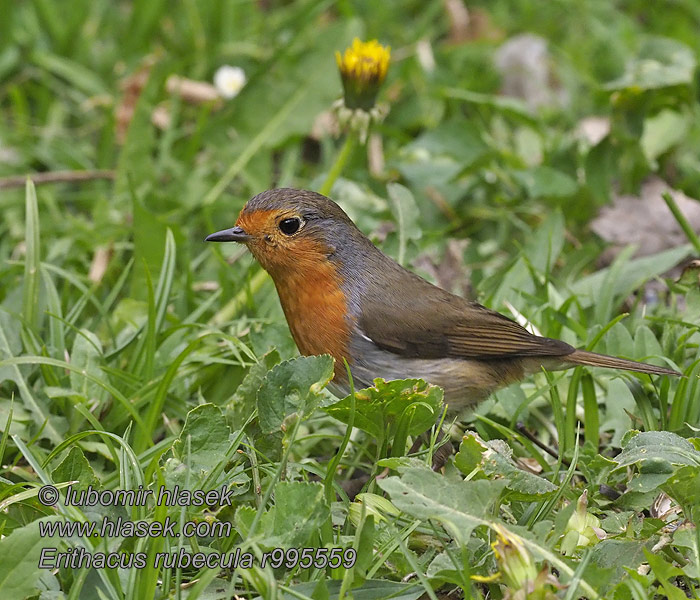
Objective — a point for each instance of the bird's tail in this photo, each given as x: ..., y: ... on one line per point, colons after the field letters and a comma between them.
x: 581, y: 357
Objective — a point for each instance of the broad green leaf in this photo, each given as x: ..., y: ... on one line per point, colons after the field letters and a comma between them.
x: 300, y: 510
x: 662, y: 132
x: 612, y: 558
x: 544, y: 247
x: 375, y: 505
x: 635, y: 273
x: 443, y: 569
x: 75, y: 467
x: 266, y: 337
x: 658, y: 455
x: 19, y: 559
x: 620, y: 404
x: 522, y: 484
x: 204, y: 439
x: 495, y: 460
x: 379, y: 409
x: 320, y: 591
x: 546, y: 182
x: 457, y: 139
x: 294, y: 521
x: 21, y: 417
x: 661, y: 62
x: 601, y: 165
x: 471, y: 454
x: 293, y: 386
x: 645, y: 343
x: 244, y: 400
x: 459, y: 506
x: 422, y: 169
x: 657, y: 452
x: 684, y: 487
x: 365, y: 548
x: 663, y: 572
x: 87, y: 354
x: 243, y: 520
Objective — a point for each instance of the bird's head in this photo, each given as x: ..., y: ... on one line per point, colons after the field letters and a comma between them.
x: 288, y: 230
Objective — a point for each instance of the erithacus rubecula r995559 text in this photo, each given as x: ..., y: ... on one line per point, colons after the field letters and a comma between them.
x: 342, y: 296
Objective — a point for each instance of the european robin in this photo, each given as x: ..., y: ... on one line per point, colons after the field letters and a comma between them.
x: 343, y: 296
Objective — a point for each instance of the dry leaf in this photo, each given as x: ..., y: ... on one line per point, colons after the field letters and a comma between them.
x: 131, y: 87
x: 459, y: 20
x: 161, y: 117
x: 425, y: 56
x: 100, y: 262
x: 193, y: 92
x: 205, y: 286
x: 645, y: 220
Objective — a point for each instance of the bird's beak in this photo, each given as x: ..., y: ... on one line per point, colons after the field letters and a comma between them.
x: 235, y: 234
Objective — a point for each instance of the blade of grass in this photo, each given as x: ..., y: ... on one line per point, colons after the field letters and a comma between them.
x: 646, y: 409
x: 255, y: 145
x: 6, y: 431
x: 141, y: 363
x: 38, y: 360
x: 604, y: 303
x: 563, y: 422
x: 57, y: 335
x: 30, y: 291
x: 591, y: 419
x: 235, y: 304
x: 156, y: 406
x: 546, y: 506
x: 41, y: 415
x: 108, y: 579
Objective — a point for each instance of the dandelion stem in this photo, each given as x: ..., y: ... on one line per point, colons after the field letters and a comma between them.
x: 682, y: 220
x: 339, y: 164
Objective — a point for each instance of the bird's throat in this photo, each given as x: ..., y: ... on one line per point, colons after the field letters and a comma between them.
x: 316, y: 310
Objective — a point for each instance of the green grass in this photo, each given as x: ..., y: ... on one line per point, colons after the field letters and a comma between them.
x: 131, y: 353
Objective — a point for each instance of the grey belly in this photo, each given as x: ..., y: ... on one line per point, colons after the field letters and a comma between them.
x: 465, y: 382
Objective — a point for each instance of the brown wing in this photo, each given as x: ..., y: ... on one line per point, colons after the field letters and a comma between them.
x: 451, y: 326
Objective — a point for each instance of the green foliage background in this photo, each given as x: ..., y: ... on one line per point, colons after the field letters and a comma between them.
x: 174, y: 366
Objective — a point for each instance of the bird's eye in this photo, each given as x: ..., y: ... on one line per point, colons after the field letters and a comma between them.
x: 290, y: 226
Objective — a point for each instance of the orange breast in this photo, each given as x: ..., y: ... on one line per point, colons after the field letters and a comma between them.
x: 316, y: 309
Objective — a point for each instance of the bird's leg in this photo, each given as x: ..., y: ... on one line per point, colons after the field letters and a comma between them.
x: 443, y: 448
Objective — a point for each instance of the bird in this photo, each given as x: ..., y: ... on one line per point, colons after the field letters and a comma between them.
x: 341, y: 295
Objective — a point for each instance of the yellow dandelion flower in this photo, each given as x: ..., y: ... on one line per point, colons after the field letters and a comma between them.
x: 518, y: 571
x: 517, y: 565
x: 363, y: 67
